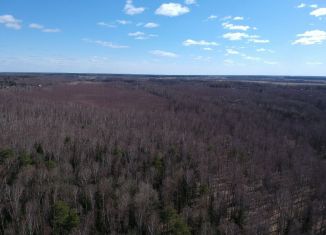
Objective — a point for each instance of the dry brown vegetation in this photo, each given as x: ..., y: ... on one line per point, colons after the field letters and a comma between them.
x: 151, y: 156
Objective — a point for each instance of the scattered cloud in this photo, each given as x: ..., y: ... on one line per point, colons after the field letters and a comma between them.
x: 226, y: 18
x: 208, y: 49
x: 232, y: 52
x: 246, y: 57
x: 318, y: 12
x: 235, y: 18
x: 172, y: 9
x: 235, y: 27
x: 10, y: 22
x: 43, y: 29
x: 190, y: 42
x: 238, y: 18
x: 257, y: 40
x: 130, y: 9
x: 238, y: 36
x: 163, y: 53
x: 36, y: 26
x: 235, y: 36
x: 190, y: 2
x: 261, y: 50
x: 51, y: 30
x: 105, y: 43
x: 123, y: 22
x: 136, y: 34
x: 151, y: 25
x: 113, y: 25
x: 103, y: 24
x: 203, y: 58
x: 264, y: 50
x: 212, y: 17
x: 302, y: 5
x: 310, y: 38
x: 141, y: 35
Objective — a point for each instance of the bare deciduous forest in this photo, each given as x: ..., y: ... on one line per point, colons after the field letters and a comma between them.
x: 161, y: 156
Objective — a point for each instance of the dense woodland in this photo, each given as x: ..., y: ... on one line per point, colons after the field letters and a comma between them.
x: 161, y: 156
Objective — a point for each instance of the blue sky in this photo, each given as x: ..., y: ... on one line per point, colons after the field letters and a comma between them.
x: 274, y: 37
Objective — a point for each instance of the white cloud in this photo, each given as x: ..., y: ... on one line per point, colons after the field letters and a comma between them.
x: 113, y: 25
x: 163, y: 53
x: 141, y: 38
x: 141, y: 35
x: 151, y: 25
x: 238, y: 18
x: 302, y: 5
x: 105, y: 43
x: 251, y: 58
x: 136, y: 34
x: 212, y: 17
x: 226, y: 18
x: 202, y: 58
x: 235, y: 36
x: 130, y: 9
x: 311, y: 37
x: 255, y: 40
x: 261, y: 50
x: 190, y: 2
x: 106, y: 25
x: 232, y: 52
x: 10, y: 22
x: 36, y: 26
x: 172, y: 9
x: 207, y: 49
x: 123, y: 22
x: 238, y: 36
x: 43, y: 29
x: 319, y: 12
x: 51, y: 30
x: 190, y: 42
x: 264, y: 50
x: 235, y: 27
